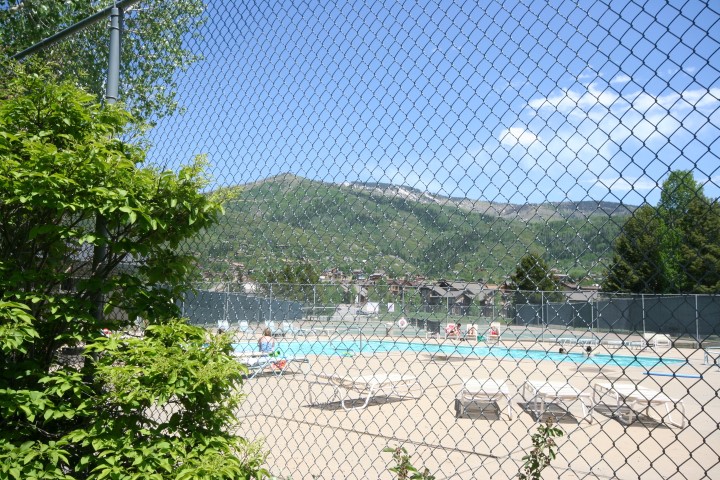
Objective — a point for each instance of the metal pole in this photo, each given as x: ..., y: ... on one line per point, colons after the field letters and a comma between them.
x: 111, y: 97
x: 697, y: 327
x: 642, y: 296
x: 113, y: 78
x: 52, y: 40
x: 226, y: 305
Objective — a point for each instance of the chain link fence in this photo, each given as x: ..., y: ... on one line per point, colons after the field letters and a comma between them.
x: 398, y: 173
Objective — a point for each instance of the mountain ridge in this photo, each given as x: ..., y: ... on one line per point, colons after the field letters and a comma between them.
x: 287, y: 219
x: 526, y: 211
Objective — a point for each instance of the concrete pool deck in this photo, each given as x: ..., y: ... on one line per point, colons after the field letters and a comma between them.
x: 323, y: 441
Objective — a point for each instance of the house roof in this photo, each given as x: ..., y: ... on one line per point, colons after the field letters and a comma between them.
x: 581, y: 295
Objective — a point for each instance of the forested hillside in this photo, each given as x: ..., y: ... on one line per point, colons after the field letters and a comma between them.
x: 287, y: 219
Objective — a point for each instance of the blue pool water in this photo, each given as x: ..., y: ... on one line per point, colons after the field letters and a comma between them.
x: 369, y: 347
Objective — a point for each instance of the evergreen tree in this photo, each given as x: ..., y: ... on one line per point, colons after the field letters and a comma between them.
x: 293, y: 282
x: 533, y: 280
x: 673, y: 248
x: 637, y: 265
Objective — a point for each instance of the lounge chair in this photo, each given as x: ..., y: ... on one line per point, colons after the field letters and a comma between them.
x: 657, y: 340
x: 273, y: 329
x: 257, y: 362
x: 711, y: 353
x: 367, y: 386
x: 625, y: 342
x: 471, y: 332
x: 540, y: 393
x: 568, y: 342
x: 451, y: 330
x: 244, y: 327
x: 288, y: 330
x: 489, y: 390
x: 638, y: 399
x: 494, y: 332
x: 223, y: 325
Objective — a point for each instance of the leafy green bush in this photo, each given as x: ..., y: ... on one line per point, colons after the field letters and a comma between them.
x: 75, y: 404
x: 543, y: 451
x: 403, y: 468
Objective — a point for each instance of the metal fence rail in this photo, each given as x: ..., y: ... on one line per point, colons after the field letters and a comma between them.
x: 390, y: 169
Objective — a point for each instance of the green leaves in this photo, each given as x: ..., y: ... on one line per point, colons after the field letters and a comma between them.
x: 671, y: 248
x: 533, y: 279
x: 543, y: 452
x: 403, y: 468
x: 76, y: 404
x: 177, y: 368
x: 16, y: 327
x: 33, y: 460
x: 148, y: 84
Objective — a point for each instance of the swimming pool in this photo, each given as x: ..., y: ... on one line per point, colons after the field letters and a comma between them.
x: 369, y: 347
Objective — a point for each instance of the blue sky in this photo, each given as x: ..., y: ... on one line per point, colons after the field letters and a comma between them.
x: 510, y: 101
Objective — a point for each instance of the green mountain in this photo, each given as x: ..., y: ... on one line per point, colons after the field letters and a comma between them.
x: 400, y: 230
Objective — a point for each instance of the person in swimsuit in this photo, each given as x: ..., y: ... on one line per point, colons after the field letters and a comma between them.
x: 266, y: 343
x: 472, y: 332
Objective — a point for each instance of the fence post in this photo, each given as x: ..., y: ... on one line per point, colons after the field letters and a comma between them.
x: 642, y: 298
x: 697, y: 326
x: 113, y: 77
x: 111, y: 97
x: 226, y: 305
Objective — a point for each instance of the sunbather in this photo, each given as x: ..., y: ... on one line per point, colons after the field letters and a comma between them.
x: 472, y: 333
x: 266, y: 343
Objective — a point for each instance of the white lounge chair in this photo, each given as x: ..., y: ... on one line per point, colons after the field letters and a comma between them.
x: 657, y: 340
x: 494, y: 332
x: 637, y: 398
x: 367, y: 386
x: 288, y: 329
x: 451, y: 330
x: 244, y: 327
x: 257, y: 362
x: 223, y: 325
x: 489, y: 390
x: 539, y: 393
x: 471, y: 332
x: 273, y: 329
x: 711, y: 353
x: 567, y: 342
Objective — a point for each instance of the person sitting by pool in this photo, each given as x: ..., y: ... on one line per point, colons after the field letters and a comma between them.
x: 449, y: 330
x: 266, y: 343
x: 493, y: 333
x: 472, y: 332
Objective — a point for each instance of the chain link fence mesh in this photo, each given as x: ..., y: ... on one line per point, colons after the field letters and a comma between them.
x: 392, y: 167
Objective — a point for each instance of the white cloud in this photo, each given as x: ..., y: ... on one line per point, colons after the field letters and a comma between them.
x: 517, y: 135
x: 618, y: 184
x: 620, y: 79
x: 651, y: 119
x: 587, y: 131
x: 587, y: 74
